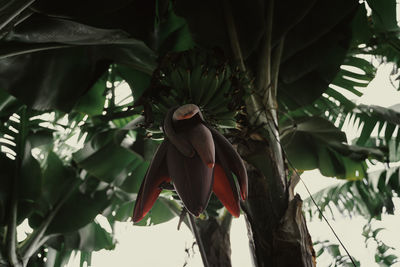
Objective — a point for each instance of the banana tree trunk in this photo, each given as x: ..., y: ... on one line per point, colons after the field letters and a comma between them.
x: 215, y: 238
x: 277, y: 229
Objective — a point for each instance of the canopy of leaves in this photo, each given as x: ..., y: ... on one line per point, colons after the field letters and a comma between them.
x: 65, y: 65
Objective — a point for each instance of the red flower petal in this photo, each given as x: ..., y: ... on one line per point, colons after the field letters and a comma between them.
x: 223, y: 190
x: 234, y: 161
x: 150, y: 188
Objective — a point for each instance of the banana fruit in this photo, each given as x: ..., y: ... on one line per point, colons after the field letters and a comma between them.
x: 202, y: 79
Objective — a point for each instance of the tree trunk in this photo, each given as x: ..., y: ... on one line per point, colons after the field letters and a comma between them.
x: 276, y: 227
x: 216, y: 242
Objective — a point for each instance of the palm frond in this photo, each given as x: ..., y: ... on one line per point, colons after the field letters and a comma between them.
x: 370, y: 197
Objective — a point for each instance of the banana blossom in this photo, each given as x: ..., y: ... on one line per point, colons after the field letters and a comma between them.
x: 198, y: 160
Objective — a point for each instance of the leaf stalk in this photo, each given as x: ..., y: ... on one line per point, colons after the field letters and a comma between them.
x: 38, y: 237
x: 198, y: 239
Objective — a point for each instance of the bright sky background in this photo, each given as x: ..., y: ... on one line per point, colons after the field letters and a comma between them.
x: 163, y: 245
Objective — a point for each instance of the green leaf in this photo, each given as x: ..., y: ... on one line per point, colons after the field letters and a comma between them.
x: 130, y: 52
x: 315, y: 142
x: 78, y: 211
x: 327, y: 18
x: 354, y: 169
x: 312, y: 55
x: 394, y: 181
x: 378, y: 258
x: 94, y: 238
x: 159, y: 213
x: 8, y: 104
x: 369, y: 197
x: 134, y: 17
x: 119, y: 165
x: 208, y: 25
x: 360, y: 27
x: 137, y: 80
x: 301, y: 151
x: 173, y: 32
x: 390, y: 259
x: 11, y: 11
x: 328, y: 163
x: 48, y: 79
x: 31, y: 177
x: 383, y: 15
x: 382, y: 248
x: 289, y: 17
x: 144, y: 146
x: 56, y: 179
x: 124, y: 211
x: 69, y: 71
x: 86, y: 257
x: 44, y: 29
x: 388, y: 114
x: 41, y: 137
x: 321, y: 129
x: 58, y: 258
x: 132, y: 182
x: 92, y: 103
x: 6, y: 175
x: 334, y: 250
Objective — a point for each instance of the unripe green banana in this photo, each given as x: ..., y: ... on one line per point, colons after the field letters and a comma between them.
x: 203, y: 79
x: 176, y: 81
x: 201, y: 88
x: 211, y: 90
x: 209, y: 77
x: 185, y: 80
x: 219, y: 96
x: 228, y: 115
x: 227, y: 123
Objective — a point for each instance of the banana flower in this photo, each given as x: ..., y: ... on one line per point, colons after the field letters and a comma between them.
x: 198, y: 160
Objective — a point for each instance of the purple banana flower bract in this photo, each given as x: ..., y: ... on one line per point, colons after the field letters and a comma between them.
x: 198, y: 160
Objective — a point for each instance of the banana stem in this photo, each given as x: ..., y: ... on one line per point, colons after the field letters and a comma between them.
x: 234, y: 40
x: 12, y: 225
x: 38, y: 237
x: 111, y: 78
x: 17, y: 10
x: 11, y: 236
x: 226, y: 220
x: 254, y: 104
x: 275, y: 68
x: 263, y: 81
x: 198, y: 239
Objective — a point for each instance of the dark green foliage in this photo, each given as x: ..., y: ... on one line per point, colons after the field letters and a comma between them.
x: 338, y: 259
x: 369, y: 197
x: 207, y: 24
x: 314, y: 142
x: 311, y: 58
x: 382, y: 254
x: 75, y: 56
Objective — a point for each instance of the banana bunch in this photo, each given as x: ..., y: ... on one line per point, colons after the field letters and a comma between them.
x: 205, y: 80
